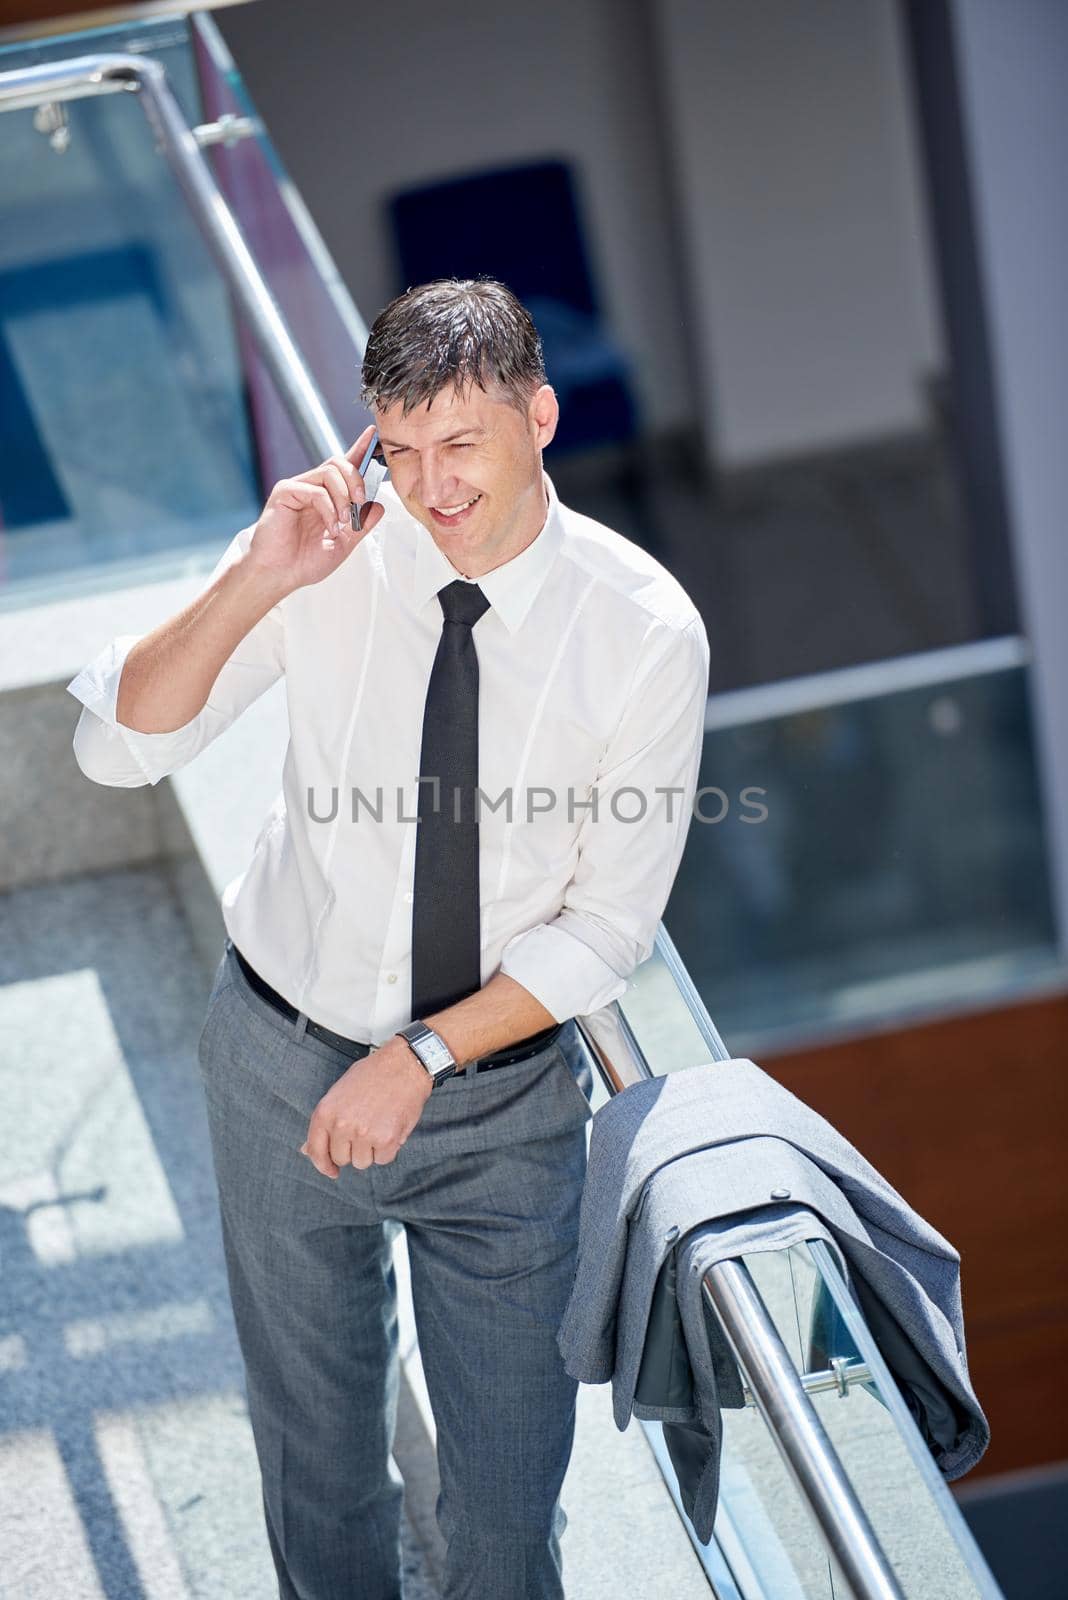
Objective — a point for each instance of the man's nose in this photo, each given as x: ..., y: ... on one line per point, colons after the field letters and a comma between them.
x: 436, y: 483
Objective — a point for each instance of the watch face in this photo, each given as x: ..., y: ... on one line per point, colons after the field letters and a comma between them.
x: 435, y: 1052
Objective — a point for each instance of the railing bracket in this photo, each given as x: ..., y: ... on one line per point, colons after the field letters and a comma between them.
x: 840, y: 1374
x: 228, y: 130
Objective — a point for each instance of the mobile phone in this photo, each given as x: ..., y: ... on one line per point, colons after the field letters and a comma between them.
x: 373, y: 453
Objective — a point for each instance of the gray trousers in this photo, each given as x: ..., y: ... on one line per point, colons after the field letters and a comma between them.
x: 488, y: 1187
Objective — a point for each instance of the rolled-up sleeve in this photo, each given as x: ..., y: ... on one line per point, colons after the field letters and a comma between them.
x: 631, y: 846
x: 111, y: 753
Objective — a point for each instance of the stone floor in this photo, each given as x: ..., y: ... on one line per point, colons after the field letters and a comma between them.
x: 127, y: 1466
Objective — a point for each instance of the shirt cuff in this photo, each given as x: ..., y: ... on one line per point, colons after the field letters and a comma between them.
x: 106, y: 749
x: 565, y: 975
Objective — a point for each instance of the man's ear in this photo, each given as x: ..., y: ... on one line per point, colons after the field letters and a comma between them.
x: 544, y: 415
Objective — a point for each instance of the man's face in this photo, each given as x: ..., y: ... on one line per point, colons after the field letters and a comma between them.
x: 468, y: 467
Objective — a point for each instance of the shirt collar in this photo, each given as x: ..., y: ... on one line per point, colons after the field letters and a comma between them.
x: 510, y: 588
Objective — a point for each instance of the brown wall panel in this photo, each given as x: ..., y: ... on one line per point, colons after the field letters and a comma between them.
x: 30, y: 19
x: 967, y: 1117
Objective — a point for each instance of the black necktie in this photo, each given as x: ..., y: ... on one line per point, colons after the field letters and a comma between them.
x: 446, y: 964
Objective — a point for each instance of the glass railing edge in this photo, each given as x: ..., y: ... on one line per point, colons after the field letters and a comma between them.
x: 869, y: 1352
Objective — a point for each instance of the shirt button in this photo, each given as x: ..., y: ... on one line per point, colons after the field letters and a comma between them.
x: 391, y: 977
x: 408, y: 898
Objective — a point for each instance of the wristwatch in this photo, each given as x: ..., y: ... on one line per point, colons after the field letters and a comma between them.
x: 431, y: 1049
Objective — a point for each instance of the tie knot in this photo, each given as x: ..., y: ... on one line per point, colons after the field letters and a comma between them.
x: 463, y: 602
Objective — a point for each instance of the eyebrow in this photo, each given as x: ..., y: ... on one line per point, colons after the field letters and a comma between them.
x: 392, y: 444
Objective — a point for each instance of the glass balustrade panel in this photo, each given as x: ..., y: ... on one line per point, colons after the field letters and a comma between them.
x: 865, y: 861
x: 128, y: 452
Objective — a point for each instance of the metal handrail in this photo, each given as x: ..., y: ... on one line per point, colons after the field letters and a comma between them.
x: 838, y: 1375
x: 770, y: 1380
x: 27, y: 87
x: 803, y: 1442
x: 612, y: 1043
x: 864, y: 681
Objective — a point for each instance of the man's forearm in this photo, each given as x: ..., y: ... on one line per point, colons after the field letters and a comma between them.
x: 168, y: 675
x: 500, y: 1014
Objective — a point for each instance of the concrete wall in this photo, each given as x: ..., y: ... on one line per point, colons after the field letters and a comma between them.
x: 1012, y: 64
x: 802, y: 217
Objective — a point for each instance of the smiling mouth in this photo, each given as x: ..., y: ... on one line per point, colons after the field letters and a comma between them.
x: 449, y: 516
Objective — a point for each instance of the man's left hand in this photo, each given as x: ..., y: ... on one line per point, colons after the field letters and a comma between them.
x: 369, y: 1112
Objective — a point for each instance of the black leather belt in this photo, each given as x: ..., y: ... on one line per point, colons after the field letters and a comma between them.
x: 357, y: 1049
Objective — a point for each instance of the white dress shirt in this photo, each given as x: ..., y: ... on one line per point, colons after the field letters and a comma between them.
x: 593, y: 676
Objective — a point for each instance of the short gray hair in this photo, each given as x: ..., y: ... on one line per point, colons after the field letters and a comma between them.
x: 452, y: 333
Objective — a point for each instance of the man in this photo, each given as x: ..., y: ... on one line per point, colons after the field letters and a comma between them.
x: 530, y: 686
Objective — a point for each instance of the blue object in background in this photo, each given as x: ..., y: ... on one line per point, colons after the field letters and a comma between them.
x: 30, y: 490
x: 521, y: 224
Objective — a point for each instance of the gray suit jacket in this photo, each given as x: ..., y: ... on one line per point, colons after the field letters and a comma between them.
x: 681, y: 1174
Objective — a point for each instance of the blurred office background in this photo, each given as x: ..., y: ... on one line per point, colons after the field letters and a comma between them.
x: 799, y: 270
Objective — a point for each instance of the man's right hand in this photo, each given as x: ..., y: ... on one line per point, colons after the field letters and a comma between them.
x: 289, y: 542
